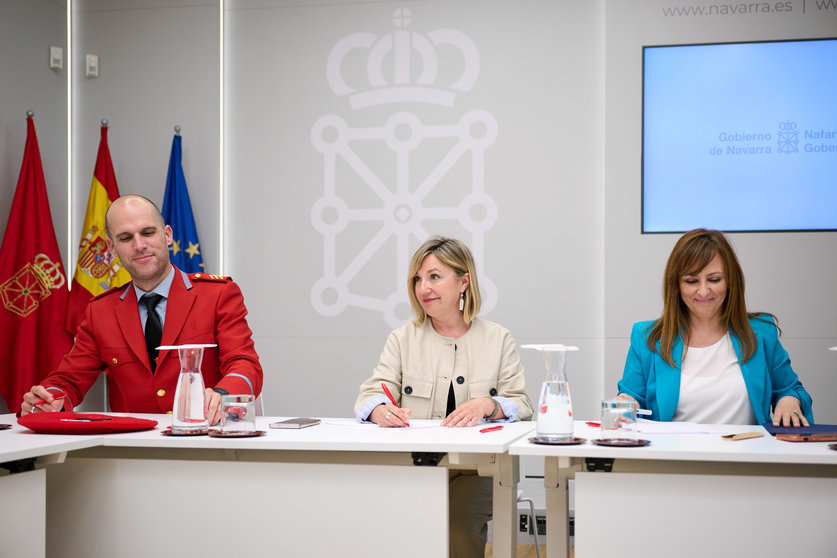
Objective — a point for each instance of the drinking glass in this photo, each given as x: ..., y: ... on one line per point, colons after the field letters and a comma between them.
x: 619, y: 419
x: 238, y: 414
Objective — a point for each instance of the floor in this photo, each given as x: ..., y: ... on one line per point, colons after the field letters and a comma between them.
x: 524, y: 551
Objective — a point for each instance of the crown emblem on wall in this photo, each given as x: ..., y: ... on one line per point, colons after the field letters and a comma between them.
x: 403, y: 66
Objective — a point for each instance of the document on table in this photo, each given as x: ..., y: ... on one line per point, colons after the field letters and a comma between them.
x: 414, y: 426
x: 655, y: 427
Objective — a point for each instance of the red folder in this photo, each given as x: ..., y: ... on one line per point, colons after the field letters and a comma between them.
x: 83, y: 423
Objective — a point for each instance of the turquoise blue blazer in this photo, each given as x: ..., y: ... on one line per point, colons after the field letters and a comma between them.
x: 768, y: 374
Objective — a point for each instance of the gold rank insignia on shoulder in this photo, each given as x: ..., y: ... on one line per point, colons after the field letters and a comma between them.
x: 110, y: 291
x: 209, y: 277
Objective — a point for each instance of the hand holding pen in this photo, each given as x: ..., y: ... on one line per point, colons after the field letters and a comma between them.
x: 391, y: 414
x: 46, y: 400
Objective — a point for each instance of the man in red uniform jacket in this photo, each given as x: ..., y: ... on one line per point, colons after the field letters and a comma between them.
x: 198, y: 309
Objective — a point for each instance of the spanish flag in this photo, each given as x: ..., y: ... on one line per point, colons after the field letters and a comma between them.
x: 33, y: 285
x: 96, y: 270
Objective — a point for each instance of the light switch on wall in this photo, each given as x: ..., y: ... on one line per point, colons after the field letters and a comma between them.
x: 92, y: 66
x: 56, y: 58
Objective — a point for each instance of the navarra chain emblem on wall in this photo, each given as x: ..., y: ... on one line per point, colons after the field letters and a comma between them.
x: 399, y: 69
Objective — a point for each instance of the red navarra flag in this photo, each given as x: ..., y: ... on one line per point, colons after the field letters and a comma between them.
x: 96, y: 270
x: 33, y: 285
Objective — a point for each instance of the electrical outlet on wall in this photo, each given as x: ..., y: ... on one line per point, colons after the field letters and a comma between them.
x: 56, y: 58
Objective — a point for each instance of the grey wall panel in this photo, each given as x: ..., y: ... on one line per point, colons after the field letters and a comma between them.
x: 27, y: 29
x: 158, y: 67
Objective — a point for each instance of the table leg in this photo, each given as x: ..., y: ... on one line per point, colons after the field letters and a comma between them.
x: 505, y: 473
x: 557, y: 472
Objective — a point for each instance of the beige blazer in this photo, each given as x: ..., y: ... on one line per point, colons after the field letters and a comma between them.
x: 418, y: 365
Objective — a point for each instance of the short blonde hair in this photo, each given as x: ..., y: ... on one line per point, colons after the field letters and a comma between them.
x: 456, y: 255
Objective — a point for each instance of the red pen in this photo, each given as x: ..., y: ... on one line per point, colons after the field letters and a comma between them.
x: 391, y: 398
x: 594, y: 424
x: 492, y: 428
x: 42, y: 401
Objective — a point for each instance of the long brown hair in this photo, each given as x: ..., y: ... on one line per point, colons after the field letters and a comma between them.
x: 693, y: 251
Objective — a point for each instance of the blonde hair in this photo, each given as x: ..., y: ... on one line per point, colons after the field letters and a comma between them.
x: 455, y: 255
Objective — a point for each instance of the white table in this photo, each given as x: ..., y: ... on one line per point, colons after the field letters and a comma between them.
x: 339, y: 488
x: 692, y: 495
x: 23, y: 494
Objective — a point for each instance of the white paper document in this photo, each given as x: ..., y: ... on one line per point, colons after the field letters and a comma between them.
x: 655, y: 427
x: 414, y: 425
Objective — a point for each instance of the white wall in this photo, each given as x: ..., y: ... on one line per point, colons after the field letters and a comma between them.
x: 563, y: 261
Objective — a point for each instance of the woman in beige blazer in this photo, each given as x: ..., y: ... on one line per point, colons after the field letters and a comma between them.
x: 449, y: 365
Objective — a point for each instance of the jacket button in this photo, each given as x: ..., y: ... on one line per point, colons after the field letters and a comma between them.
x: 492, y: 392
x: 408, y: 390
x: 115, y: 360
x: 161, y: 393
x: 460, y: 380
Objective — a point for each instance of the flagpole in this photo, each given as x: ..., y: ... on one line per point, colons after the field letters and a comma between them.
x: 70, y: 130
x: 221, y: 141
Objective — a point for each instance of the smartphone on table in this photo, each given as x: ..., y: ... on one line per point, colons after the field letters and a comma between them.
x: 809, y: 437
x: 299, y: 422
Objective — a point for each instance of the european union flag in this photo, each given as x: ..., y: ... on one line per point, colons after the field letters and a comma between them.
x: 185, y: 251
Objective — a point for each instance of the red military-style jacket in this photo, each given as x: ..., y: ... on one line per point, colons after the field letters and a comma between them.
x: 200, y: 309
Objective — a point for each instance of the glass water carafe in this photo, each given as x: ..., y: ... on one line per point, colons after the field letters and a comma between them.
x: 189, y: 412
x: 555, y: 408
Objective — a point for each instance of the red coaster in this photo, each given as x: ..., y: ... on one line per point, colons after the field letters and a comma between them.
x: 621, y: 442
x: 569, y: 441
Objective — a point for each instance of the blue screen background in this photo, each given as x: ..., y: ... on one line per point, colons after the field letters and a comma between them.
x: 740, y: 137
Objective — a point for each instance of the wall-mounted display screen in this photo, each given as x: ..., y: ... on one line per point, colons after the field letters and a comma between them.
x: 740, y: 136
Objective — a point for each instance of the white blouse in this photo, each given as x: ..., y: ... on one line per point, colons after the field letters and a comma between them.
x: 712, y: 389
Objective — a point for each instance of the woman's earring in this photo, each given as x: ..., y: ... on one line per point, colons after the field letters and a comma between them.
x: 462, y: 302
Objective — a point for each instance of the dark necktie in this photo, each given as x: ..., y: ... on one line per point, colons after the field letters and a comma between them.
x: 153, y: 327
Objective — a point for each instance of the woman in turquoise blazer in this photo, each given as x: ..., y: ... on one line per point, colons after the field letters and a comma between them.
x: 703, y: 292
x: 768, y: 375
